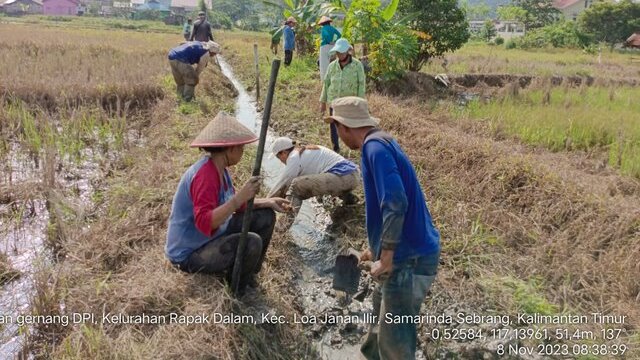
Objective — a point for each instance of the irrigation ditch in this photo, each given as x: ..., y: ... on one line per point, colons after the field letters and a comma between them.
x: 53, y: 184
x: 321, y: 232
x: 313, y: 240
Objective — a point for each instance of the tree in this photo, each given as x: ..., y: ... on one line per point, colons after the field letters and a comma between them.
x: 488, y: 31
x: 539, y: 12
x: 512, y: 13
x: 479, y: 11
x: 441, y: 24
x: 611, y: 23
x: 389, y: 44
x: 307, y: 13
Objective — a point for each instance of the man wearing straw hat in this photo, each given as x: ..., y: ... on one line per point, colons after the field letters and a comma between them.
x: 345, y: 77
x: 403, y: 242
x: 328, y: 37
x: 289, y: 39
x: 183, y: 57
x: 207, y: 213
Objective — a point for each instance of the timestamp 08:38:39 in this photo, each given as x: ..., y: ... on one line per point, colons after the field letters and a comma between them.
x: 563, y: 349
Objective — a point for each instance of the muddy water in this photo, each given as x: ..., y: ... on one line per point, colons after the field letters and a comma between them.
x: 23, y: 231
x: 22, y: 225
x: 317, y: 250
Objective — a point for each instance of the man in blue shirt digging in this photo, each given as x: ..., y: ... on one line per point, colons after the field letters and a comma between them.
x: 403, y: 242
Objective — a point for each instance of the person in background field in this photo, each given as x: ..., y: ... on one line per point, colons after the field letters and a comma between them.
x: 403, y: 242
x: 207, y: 213
x: 289, y: 40
x: 186, y: 30
x: 345, y: 77
x: 329, y: 35
x: 201, y: 29
x: 312, y: 170
x: 182, y: 58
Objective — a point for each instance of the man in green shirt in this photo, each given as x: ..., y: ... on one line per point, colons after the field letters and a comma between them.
x: 345, y: 77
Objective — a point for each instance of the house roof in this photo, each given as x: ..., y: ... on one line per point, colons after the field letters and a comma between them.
x: 633, y: 40
x: 562, y: 4
x: 188, y: 3
x: 71, y: 1
x: 8, y: 2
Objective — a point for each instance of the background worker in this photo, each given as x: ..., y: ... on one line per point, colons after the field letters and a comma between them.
x: 201, y: 29
x: 289, y: 39
x: 403, y: 241
x: 207, y: 213
x: 328, y: 37
x: 345, y: 77
x: 186, y: 30
x: 312, y: 170
x: 182, y: 58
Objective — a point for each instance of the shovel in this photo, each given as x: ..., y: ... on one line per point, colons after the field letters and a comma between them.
x: 346, y: 276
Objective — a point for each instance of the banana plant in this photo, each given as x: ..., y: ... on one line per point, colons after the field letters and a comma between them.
x: 307, y: 13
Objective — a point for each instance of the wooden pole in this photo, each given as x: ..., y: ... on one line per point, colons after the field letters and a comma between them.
x: 256, y: 62
x: 246, y: 221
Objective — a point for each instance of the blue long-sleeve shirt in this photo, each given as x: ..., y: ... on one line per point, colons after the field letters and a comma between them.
x: 397, y: 216
x: 289, y: 38
x: 329, y: 34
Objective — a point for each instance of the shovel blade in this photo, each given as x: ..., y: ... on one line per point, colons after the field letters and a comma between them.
x: 347, y: 274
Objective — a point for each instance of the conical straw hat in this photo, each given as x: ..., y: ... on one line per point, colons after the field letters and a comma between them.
x: 324, y: 19
x: 224, y: 130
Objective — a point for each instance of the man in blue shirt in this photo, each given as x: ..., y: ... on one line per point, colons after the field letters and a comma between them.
x: 183, y: 57
x: 289, y: 40
x: 403, y: 242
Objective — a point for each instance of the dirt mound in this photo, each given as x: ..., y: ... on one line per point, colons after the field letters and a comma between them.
x: 421, y: 84
x: 413, y: 83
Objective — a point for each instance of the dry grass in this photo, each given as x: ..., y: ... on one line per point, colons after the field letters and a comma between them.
x: 117, y: 263
x: 111, y: 250
x: 62, y: 67
x: 519, y: 233
x: 7, y: 272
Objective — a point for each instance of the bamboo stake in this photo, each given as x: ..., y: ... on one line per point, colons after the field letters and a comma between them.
x: 246, y: 221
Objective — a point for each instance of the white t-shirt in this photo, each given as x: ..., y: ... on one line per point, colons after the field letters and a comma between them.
x: 311, y: 162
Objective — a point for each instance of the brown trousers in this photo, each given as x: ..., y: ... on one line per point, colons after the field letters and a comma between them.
x: 308, y: 186
x: 186, y: 79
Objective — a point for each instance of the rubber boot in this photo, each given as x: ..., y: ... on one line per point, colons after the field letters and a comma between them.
x: 189, y: 92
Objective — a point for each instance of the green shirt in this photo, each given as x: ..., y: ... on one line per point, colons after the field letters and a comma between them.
x: 341, y: 82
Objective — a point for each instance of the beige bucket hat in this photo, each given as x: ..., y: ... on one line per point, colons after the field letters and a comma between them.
x: 224, y: 130
x: 291, y: 19
x: 324, y: 19
x: 351, y: 111
x: 212, y: 46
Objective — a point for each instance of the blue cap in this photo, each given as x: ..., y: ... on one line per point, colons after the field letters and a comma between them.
x: 341, y: 46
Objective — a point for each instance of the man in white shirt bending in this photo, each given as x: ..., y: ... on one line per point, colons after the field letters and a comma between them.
x: 312, y: 170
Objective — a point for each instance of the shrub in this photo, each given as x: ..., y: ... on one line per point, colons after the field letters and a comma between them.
x: 498, y: 41
x: 563, y: 34
x: 510, y: 44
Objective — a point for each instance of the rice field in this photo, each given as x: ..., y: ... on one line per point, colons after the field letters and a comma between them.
x: 479, y: 58
x: 517, y: 236
x: 601, y: 119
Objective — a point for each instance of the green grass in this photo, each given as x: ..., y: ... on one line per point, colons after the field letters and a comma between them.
x: 477, y: 57
x: 521, y: 296
x: 569, y: 119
